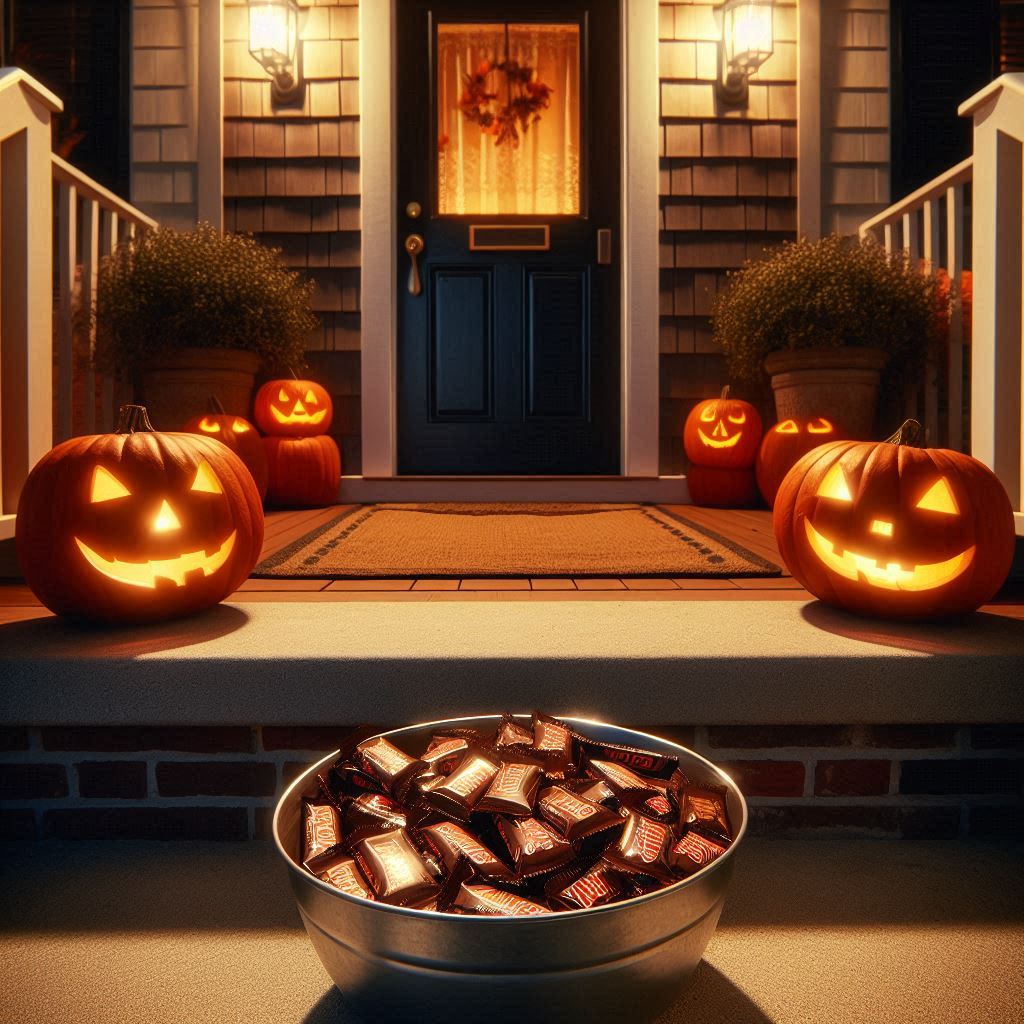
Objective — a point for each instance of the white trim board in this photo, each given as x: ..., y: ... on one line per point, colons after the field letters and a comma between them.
x: 639, y: 240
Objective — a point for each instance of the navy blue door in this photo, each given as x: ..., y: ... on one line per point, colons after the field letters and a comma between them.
x: 508, y: 213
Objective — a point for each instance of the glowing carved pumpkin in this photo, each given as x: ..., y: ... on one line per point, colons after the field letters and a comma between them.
x: 885, y: 528
x: 293, y: 408
x: 786, y: 442
x: 722, y: 488
x: 304, y: 472
x: 722, y: 432
x: 137, y: 526
x: 239, y: 435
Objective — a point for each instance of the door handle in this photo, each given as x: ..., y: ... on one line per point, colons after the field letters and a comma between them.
x: 414, y: 245
x: 604, y: 246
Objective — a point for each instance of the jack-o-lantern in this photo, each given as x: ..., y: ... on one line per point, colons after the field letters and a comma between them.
x: 293, y: 408
x: 786, y: 442
x: 885, y: 528
x: 304, y: 472
x: 721, y: 488
x: 239, y: 435
x: 137, y: 526
x: 722, y: 432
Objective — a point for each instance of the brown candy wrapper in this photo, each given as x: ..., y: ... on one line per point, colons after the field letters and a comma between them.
x: 642, y: 848
x: 628, y: 786
x: 373, y: 811
x: 694, y: 851
x: 451, y: 842
x: 380, y: 758
x: 513, y: 790
x: 458, y: 793
x: 646, y: 762
x: 486, y: 899
x: 593, y: 789
x: 512, y: 734
x: 321, y: 834
x: 444, y: 753
x: 704, y: 807
x: 395, y: 870
x: 573, y: 817
x: 534, y: 847
x: 583, y: 887
x: 553, y: 743
x: 343, y: 873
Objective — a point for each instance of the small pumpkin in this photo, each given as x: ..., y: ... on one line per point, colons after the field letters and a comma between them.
x: 713, y: 487
x: 293, y: 408
x: 886, y: 528
x: 238, y: 434
x: 722, y: 432
x: 137, y: 525
x: 784, y: 444
x: 304, y: 472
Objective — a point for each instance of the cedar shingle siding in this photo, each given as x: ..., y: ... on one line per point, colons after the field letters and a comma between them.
x: 728, y: 176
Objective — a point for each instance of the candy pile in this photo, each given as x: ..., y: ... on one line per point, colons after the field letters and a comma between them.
x: 532, y: 819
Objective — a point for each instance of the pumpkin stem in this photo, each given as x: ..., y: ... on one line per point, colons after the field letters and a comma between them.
x: 725, y: 392
x: 133, y: 419
x: 215, y: 406
x: 909, y: 434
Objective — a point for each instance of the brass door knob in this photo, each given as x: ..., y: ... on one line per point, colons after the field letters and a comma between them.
x: 414, y: 245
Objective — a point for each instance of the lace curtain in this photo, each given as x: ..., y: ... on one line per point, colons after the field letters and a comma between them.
x: 542, y: 174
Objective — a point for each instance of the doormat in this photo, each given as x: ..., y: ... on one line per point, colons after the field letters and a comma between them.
x: 408, y: 541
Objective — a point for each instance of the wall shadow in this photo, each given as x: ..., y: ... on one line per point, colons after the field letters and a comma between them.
x: 54, y: 637
x: 979, y: 633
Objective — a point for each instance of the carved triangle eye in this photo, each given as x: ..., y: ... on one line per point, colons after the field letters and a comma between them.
x: 309, y: 398
x: 206, y: 480
x: 939, y: 498
x: 282, y: 395
x: 106, y: 486
x: 834, y: 485
x: 787, y: 427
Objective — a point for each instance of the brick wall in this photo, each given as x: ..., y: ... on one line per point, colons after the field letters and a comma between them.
x: 891, y: 781
x: 728, y: 190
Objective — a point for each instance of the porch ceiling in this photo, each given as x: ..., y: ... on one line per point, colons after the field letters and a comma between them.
x: 765, y: 661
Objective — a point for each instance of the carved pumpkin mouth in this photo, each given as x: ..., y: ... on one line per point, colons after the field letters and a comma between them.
x: 145, y: 574
x: 713, y: 442
x: 891, y: 576
x: 298, y: 417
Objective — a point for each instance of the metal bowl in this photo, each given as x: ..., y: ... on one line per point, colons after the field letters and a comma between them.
x: 624, y: 961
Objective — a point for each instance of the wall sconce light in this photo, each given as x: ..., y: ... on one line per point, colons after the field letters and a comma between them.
x: 274, y: 44
x: 747, y: 42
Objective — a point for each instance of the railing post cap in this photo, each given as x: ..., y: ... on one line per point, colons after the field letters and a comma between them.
x: 15, y: 76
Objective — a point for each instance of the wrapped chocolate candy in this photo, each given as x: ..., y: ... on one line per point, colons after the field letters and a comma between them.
x: 513, y: 790
x: 444, y: 753
x: 694, y: 851
x: 451, y: 842
x: 395, y: 870
x: 704, y: 807
x: 583, y: 887
x: 321, y: 834
x: 552, y: 742
x: 374, y: 811
x: 534, y: 847
x: 593, y: 789
x: 573, y: 817
x: 649, y: 762
x: 395, y: 769
x: 512, y: 735
x: 458, y: 793
x: 486, y: 899
x: 342, y: 872
x: 629, y: 787
x: 642, y: 848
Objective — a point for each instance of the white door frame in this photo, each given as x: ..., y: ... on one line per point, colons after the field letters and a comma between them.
x: 639, y: 240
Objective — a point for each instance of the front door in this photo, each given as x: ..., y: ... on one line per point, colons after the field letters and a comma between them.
x: 508, y: 246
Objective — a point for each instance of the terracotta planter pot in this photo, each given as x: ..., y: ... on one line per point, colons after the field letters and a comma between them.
x: 177, y: 386
x: 840, y: 383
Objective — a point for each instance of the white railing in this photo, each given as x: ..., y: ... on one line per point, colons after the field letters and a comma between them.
x: 37, y: 341
x: 980, y: 197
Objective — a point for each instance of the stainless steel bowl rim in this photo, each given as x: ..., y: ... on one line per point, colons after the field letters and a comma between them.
x: 494, y: 920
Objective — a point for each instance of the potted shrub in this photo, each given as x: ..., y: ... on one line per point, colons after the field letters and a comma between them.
x: 823, y: 319
x: 195, y: 314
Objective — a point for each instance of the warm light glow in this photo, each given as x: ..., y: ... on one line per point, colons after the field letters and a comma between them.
x: 166, y: 520
x: 707, y: 414
x: 272, y: 33
x: 540, y: 175
x: 741, y: 418
x: 835, y: 486
x: 747, y: 34
x: 825, y: 428
x: 298, y: 408
x: 298, y: 415
x: 209, y: 426
x: 282, y: 395
x: 712, y: 442
x: 240, y: 427
x: 206, y: 480
x: 787, y: 427
x: 309, y: 398
x: 891, y: 576
x: 882, y: 526
x: 106, y: 486
x: 145, y: 574
x: 939, y: 498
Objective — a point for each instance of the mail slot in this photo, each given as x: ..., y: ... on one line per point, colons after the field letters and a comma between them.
x: 509, y: 237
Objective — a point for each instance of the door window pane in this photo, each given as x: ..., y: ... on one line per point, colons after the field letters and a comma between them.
x: 508, y: 119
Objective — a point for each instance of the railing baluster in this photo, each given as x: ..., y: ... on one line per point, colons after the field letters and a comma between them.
x: 108, y: 240
x: 67, y: 252
x: 955, y: 352
x: 90, y: 266
x: 932, y: 252
x: 910, y: 246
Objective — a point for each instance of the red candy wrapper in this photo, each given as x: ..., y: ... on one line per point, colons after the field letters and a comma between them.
x: 695, y: 851
x: 642, y: 848
x: 535, y: 848
x: 321, y: 834
x: 704, y: 807
x: 343, y: 873
x: 573, y: 817
x: 513, y: 790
